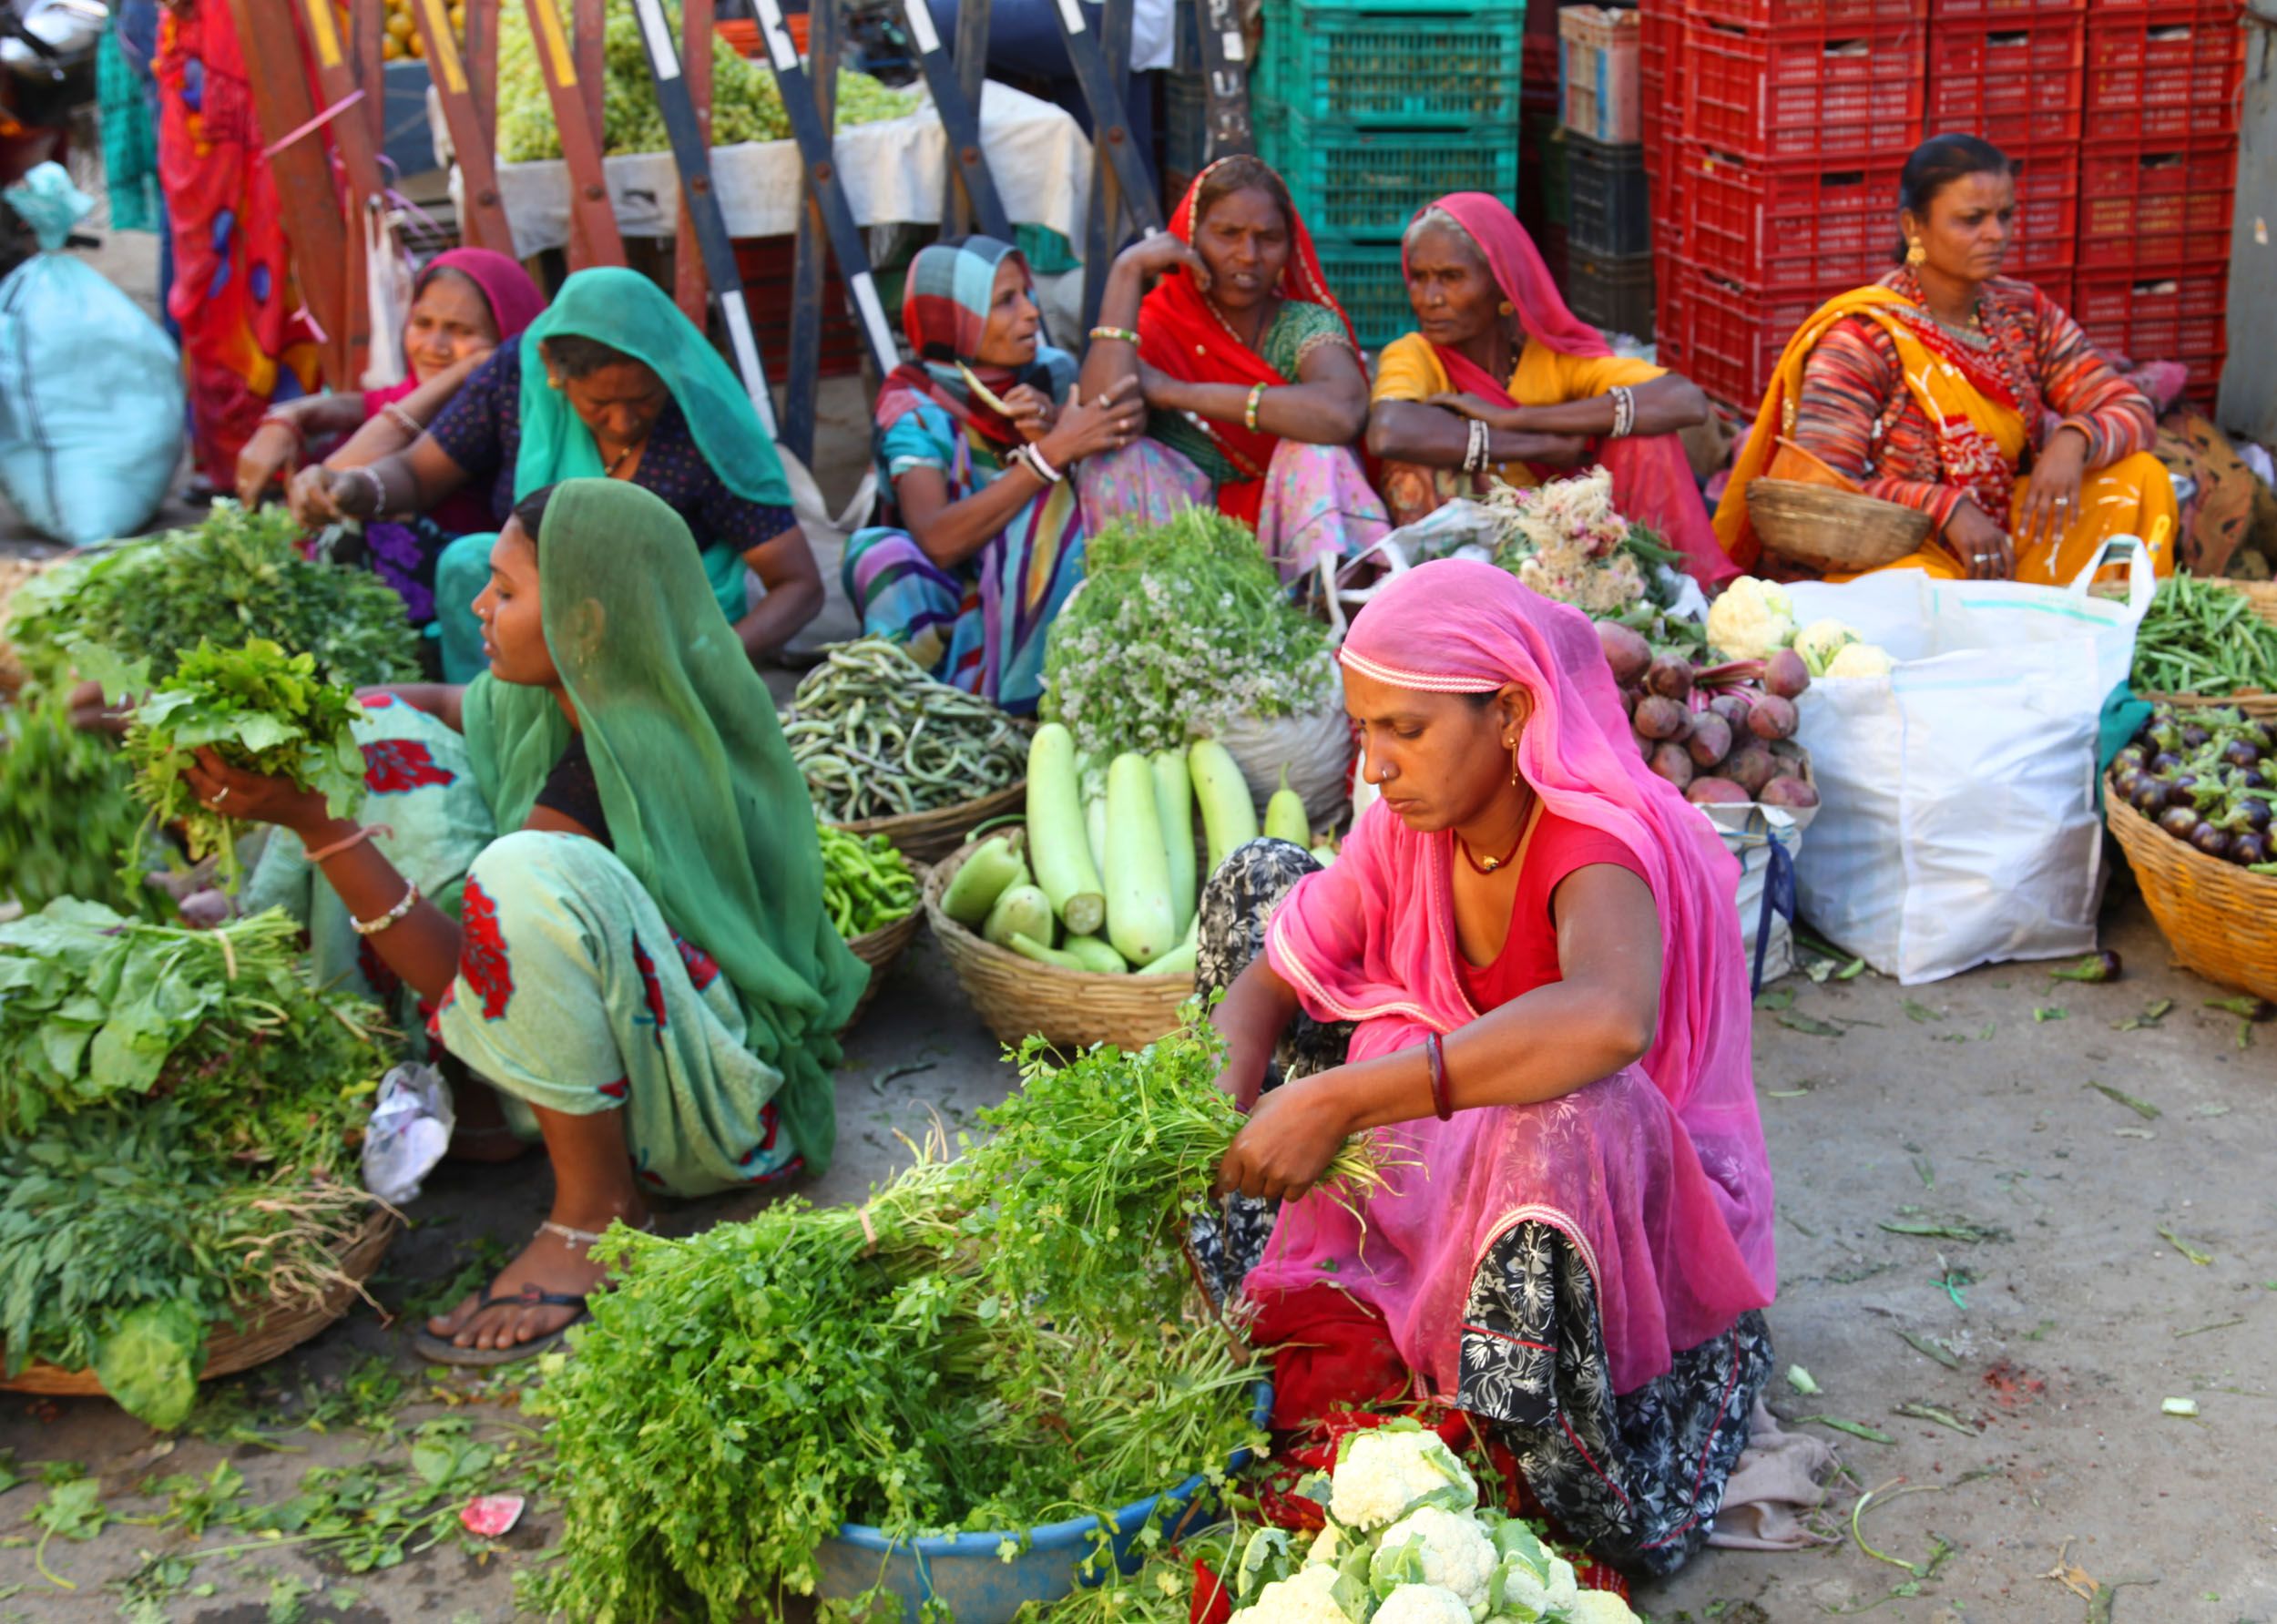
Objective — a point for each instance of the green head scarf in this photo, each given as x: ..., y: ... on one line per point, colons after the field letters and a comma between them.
x: 705, y: 805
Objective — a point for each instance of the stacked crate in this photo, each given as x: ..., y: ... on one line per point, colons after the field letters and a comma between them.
x: 1610, y: 270
x: 1371, y: 109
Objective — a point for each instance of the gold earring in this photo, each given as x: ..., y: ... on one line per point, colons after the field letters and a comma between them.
x: 1916, y: 255
x: 1511, y: 745
x: 1509, y: 309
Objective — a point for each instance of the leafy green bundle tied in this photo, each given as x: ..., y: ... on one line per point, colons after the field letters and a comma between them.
x: 71, y: 815
x: 258, y: 708
x: 996, y: 1342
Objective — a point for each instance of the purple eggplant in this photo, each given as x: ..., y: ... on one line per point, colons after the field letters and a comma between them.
x: 2248, y: 849
x: 2194, y: 736
x: 2149, y: 797
x: 2180, y: 822
x: 2166, y: 761
x: 2239, y: 753
x: 2211, y: 838
x: 2181, y: 789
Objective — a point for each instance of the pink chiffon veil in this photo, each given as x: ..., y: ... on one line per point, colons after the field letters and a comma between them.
x: 1658, y: 1175
x: 1653, y: 479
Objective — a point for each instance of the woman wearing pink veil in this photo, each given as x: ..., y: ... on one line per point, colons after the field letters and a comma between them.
x: 1503, y: 380
x: 1524, y: 972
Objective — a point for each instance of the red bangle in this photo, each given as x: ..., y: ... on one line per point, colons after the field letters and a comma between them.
x: 1441, y: 1105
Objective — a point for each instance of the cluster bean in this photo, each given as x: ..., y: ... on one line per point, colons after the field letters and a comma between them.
x: 877, y: 737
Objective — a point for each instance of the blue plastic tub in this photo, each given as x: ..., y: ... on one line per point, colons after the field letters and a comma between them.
x: 968, y: 1572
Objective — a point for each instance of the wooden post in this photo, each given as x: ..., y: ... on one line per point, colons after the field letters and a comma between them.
x: 367, y: 61
x: 588, y: 30
x: 350, y: 133
x: 593, y: 235
x: 690, y: 273
x: 481, y: 67
x: 482, y: 211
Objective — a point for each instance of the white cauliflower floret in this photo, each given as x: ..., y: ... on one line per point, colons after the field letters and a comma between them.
x: 1305, y: 1599
x: 1820, y: 640
x: 1859, y: 660
x: 1384, y: 1473
x: 1525, y: 1597
x: 1752, y: 619
x: 1600, y: 1607
x: 1422, y: 1604
x: 1328, y: 1548
x: 1454, y: 1553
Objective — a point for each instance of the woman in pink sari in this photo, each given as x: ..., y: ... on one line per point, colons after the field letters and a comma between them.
x: 1502, y: 379
x: 1524, y: 972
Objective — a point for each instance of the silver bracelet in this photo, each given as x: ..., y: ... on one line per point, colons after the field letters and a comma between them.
x: 1624, y: 410
x: 373, y: 928
x: 379, y: 490
x: 1474, y: 456
x: 395, y: 413
x: 1036, y: 456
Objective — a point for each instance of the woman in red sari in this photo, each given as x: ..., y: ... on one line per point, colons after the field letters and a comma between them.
x: 1252, y: 373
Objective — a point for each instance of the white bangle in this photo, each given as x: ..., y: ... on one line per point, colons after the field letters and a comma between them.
x: 1476, y: 453
x: 379, y: 489
x: 1035, y: 460
x: 1624, y: 410
x: 373, y: 928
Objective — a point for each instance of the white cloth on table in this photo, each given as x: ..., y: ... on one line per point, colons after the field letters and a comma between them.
x: 892, y: 171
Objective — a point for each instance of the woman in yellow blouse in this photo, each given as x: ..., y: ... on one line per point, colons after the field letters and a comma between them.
x: 1445, y: 422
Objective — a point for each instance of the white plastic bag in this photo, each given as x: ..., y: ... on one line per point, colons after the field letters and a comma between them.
x: 1957, y: 824
x: 90, y: 388
x: 412, y: 1118
x: 387, y: 282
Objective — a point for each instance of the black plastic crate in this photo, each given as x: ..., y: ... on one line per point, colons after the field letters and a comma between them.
x: 1610, y: 203
x: 1612, y: 292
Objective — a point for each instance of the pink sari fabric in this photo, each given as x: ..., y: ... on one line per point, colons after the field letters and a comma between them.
x: 1653, y: 480
x: 1657, y: 1174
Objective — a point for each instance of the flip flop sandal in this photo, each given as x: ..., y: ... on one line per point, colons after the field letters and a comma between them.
x: 442, y: 1349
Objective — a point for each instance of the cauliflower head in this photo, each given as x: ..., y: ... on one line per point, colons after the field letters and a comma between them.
x: 1820, y: 640
x: 1859, y: 660
x: 1433, y: 1546
x: 1752, y: 619
x: 1422, y: 1604
x: 1386, y: 1472
x: 1600, y: 1607
x: 1305, y: 1599
x: 1529, y: 1594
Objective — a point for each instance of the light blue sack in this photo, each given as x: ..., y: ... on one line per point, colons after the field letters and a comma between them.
x: 91, y: 387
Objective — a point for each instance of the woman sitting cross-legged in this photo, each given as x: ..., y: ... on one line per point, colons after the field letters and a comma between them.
x: 1252, y: 375
x: 640, y: 959
x: 976, y: 438
x: 1524, y: 972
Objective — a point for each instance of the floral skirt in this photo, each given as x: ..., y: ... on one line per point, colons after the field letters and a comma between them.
x: 1636, y: 1478
x: 1318, y: 504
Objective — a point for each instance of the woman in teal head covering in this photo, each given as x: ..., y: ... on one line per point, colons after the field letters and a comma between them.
x: 643, y: 966
x: 612, y: 381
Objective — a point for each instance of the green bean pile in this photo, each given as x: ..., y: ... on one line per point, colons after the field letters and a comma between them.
x: 866, y: 884
x: 2201, y: 639
x: 878, y: 738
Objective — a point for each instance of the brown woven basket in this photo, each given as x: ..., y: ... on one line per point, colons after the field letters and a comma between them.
x: 275, y: 1330
x: 2252, y: 702
x: 1019, y: 996
x: 878, y: 949
x: 929, y: 836
x: 1834, y: 531
x: 2220, y: 921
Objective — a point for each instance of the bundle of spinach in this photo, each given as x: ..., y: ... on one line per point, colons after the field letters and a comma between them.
x: 177, y: 1111
x: 995, y: 1342
x: 256, y: 708
x: 123, y: 614
x: 71, y: 817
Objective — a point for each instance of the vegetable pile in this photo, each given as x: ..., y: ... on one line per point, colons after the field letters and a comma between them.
x: 1723, y: 734
x: 876, y: 737
x: 1177, y: 629
x: 747, y: 105
x: 1753, y: 619
x: 999, y: 1341
x: 2198, y: 638
x: 2205, y: 776
x: 866, y: 884
x: 71, y: 813
x: 177, y: 1112
x: 1565, y: 540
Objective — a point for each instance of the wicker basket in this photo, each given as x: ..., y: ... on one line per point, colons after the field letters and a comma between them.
x: 929, y: 836
x: 268, y: 1335
x: 878, y: 949
x: 2220, y: 921
x: 2252, y: 702
x: 1018, y: 996
x: 1834, y: 531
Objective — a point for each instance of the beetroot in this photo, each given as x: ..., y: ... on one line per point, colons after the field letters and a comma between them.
x: 1715, y: 791
x: 1671, y: 761
x: 1787, y: 750
x: 1671, y: 675
x: 1710, y: 739
x: 1790, y: 793
x: 1774, y: 718
x: 1630, y: 697
x: 1644, y: 745
x: 1752, y: 766
x: 1733, y: 708
x: 1658, y: 717
x: 1785, y: 675
x: 1627, y: 652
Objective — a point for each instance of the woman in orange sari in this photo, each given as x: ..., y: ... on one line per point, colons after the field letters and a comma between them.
x: 1976, y: 400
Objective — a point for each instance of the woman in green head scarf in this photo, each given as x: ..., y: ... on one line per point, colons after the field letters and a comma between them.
x: 643, y: 966
x: 612, y: 381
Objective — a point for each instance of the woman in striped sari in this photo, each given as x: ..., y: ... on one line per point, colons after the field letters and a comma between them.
x: 1974, y: 399
x: 976, y: 436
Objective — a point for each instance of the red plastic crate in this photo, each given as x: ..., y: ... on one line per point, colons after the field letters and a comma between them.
x: 1796, y: 224
x: 1998, y: 10
x: 2010, y: 81
x: 768, y: 267
x: 2153, y: 318
x: 2046, y: 227
x: 2153, y: 77
x: 2150, y: 208
x: 1778, y: 13
x: 1799, y: 89
x: 1732, y: 335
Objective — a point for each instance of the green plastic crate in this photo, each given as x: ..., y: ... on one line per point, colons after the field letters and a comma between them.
x: 1365, y: 278
x: 1364, y: 186
x: 1441, y: 67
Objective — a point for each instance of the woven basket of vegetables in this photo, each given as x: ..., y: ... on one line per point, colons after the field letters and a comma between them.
x: 869, y: 890
x: 1018, y: 996
x: 268, y: 1331
x: 929, y: 836
x: 2209, y: 643
x: 2220, y: 919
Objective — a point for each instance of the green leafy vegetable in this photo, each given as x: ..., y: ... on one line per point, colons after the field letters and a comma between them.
x: 71, y: 813
x: 148, y: 1360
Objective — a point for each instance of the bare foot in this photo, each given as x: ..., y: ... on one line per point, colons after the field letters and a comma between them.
x: 550, y: 1262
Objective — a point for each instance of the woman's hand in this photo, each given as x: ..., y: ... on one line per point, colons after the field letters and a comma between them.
x: 1982, y: 546
x: 1510, y: 419
x: 2051, y: 499
x: 1032, y: 411
x: 91, y: 714
x: 318, y: 496
x: 234, y: 793
x: 1288, y: 1142
x: 272, y: 449
x: 1107, y: 422
x: 1161, y: 253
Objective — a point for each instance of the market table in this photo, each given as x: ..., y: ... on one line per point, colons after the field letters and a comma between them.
x: 892, y: 171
